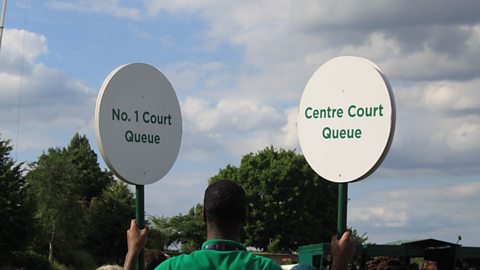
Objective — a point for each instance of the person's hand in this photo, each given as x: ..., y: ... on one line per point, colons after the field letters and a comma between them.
x: 136, y: 241
x: 136, y: 238
x: 342, y: 250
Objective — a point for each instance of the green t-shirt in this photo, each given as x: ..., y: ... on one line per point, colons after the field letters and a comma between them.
x: 219, y: 254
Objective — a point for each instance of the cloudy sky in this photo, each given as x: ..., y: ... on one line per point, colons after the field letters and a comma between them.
x: 239, y: 69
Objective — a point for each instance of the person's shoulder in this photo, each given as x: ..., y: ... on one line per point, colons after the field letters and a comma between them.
x: 171, y: 262
x: 266, y: 263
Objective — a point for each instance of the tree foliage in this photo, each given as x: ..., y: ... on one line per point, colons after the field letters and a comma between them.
x: 66, y: 207
x: 57, y: 198
x: 91, y: 179
x: 64, y: 182
x: 360, y: 239
x: 16, y: 209
x: 289, y: 204
x: 188, y: 231
x: 108, y: 218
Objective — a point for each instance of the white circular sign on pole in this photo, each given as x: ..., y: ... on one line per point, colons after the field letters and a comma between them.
x: 346, y: 119
x: 138, y: 123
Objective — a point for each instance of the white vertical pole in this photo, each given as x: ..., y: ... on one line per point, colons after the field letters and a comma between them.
x: 2, y: 19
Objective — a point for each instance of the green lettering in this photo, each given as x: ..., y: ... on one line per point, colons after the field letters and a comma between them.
x: 350, y: 110
x: 360, y: 112
x: 327, y: 133
x: 129, y: 136
x: 306, y: 112
x: 115, y: 114
x: 145, y: 117
x: 119, y: 115
x: 340, y: 113
x: 323, y: 113
x: 133, y: 137
x: 358, y: 133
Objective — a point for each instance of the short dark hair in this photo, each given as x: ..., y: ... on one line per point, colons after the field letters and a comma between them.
x: 225, y: 204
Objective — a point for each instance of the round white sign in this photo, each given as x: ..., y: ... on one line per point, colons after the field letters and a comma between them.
x: 138, y: 123
x: 346, y: 119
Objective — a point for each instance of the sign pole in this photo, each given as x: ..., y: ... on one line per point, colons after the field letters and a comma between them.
x: 140, y: 218
x: 2, y: 19
x: 342, y: 208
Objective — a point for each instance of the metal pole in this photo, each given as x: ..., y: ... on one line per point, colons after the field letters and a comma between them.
x: 342, y: 208
x: 140, y: 218
x: 2, y: 19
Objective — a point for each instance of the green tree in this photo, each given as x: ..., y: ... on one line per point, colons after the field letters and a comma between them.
x: 289, y: 204
x: 64, y: 181
x: 161, y: 234
x: 87, y: 172
x: 188, y: 230
x: 16, y: 209
x: 193, y: 229
x: 57, y: 197
x: 359, y: 239
x: 108, y: 219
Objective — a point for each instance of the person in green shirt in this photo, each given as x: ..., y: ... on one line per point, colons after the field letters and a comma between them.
x: 225, y: 213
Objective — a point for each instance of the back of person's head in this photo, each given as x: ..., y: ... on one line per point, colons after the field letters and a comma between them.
x: 225, y: 205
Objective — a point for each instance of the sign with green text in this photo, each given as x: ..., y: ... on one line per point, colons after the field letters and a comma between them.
x: 138, y: 123
x: 346, y: 119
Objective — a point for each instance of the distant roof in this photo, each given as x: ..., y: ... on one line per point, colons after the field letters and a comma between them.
x: 423, y: 243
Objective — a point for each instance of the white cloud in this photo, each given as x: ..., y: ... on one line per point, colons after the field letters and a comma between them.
x: 202, y: 79
x: 450, y: 96
x: 418, y: 212
x: 239, y: 125
x: 410, y: 40
x: 290, y: 137
x: 16, y: 51
x: 380, y: 216
x: 438, y: 126
x: 41, y: 104
x: 406, y: 37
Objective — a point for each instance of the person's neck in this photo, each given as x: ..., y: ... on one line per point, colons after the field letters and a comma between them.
x: 214, y: 233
